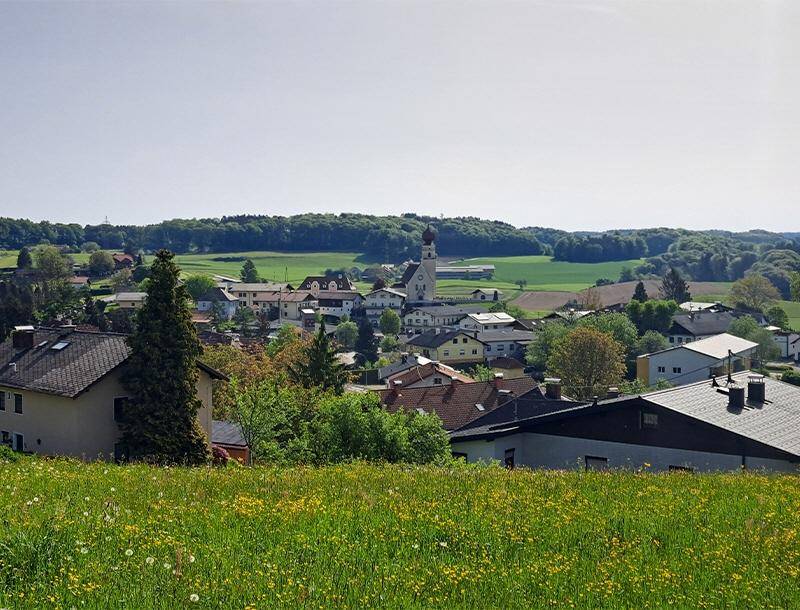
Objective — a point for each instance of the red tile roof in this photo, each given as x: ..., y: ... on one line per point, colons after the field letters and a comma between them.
x: 455, y: 404
x: 418, y: 373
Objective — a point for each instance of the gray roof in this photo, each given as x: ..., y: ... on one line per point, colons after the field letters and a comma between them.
x: 69, y: 371
x: 493, y: 336
x: 432, y: 338
x: 227, y: 433
x: 701, y: 323
x: 412, y: 360
x: 217, y: 294
x: 86, y: 358
x: 776, y: 422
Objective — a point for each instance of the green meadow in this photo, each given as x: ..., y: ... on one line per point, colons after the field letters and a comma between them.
x: 79, y: 535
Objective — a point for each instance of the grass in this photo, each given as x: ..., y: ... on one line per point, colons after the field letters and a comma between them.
x: 543, y: 273
x: 8, y: 258
x: 103, y: 536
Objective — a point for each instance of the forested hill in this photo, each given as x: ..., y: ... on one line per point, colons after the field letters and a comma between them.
x: 390, y: 238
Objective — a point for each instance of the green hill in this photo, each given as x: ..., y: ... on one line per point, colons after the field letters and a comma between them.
x: 356, y: 536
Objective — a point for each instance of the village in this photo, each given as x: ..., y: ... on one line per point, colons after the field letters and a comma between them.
x: 694, y: 396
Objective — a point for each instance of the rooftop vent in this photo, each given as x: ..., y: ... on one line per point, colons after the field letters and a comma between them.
x: 736, y: 397
x: 552, y: 388
x: 22, y: 337
x: 756, y: 389
x: 12, y: 367
x: 613, y: 392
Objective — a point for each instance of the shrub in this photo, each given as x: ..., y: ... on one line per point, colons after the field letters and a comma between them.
x: 8, y: 455
x: 792, y: 377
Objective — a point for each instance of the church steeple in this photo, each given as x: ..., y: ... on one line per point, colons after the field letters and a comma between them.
x: 428, y: 263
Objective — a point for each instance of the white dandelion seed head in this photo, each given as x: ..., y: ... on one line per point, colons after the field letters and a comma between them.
x: 443, y: 544
x: 129, y: 552
x: 167, y: 566
x: 191, y: 558
x: 84, y: 550
x: 149, y: 561
x: 194, y: 597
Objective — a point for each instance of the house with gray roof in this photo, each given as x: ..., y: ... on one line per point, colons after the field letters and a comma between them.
x: 61, y: 392
x: 746, y: 421
x: 696, y: 325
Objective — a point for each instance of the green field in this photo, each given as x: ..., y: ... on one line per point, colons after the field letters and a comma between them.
x: 8, y: 258
x: 358, y: 536
x: 543, y: 273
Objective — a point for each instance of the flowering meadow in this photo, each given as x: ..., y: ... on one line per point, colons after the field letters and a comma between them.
x: 80, y: 535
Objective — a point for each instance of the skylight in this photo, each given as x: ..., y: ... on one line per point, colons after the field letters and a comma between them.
x: 480, y: 407
x: 60, y: 345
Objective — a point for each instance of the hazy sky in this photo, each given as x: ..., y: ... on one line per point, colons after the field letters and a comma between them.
x: 578, y: 115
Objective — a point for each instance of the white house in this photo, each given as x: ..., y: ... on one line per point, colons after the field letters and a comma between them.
x: 383, y: 298
x: 506, y: 343
x: 696, y: 360
x: 788, y: 342
x: 337, y: 303
x: 487, y: 321
x: 220, y: 298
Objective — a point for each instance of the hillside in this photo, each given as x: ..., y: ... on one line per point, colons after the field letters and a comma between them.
x: 104, y: 536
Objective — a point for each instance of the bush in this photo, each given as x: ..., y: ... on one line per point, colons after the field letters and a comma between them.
x: 792, y: 377
x: 8, y: 455
x: 219, y: 455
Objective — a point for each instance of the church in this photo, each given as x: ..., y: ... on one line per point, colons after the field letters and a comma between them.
x: 419, y: 279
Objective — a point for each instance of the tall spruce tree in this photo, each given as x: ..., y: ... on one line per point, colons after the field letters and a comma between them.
x: 24, y: 258
x: 674, y: 288
x: 160, y: 423
x: 639, y: 293
x: 367, y: 344
x: 249, y: 274
x: 319, y: 367
x: 16, y: 306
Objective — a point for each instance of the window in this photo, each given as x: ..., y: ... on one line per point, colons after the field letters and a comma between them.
x: 475, y: 352
x: 508, y: 458
x: 662, y: 369
x: 500, y: 348
x: 680, y: 339
x: 464, y: 340
x: 672, y: 339
x: 461, y: 352
x: 676, y: 369
x: 437, y: 381
x: 2, y: 401
x: 596, y: 463
x: 459, y: 456
x: 649, y: 420
x: 673, y: 468
x: 488, y: 348
x: 446, y: 352
x: 17, y: 403
x: 119, y: 408
x: 19, y: 442
x: 455, y: 340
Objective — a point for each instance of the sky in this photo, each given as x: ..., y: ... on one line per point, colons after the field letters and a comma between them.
x: 571, y: 114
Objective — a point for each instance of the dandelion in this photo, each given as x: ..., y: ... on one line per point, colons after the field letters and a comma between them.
x: 84, y: 550
x: 191, y: 558
x: 35, y: 499
x: 85, y: 513
x: 415, y: 546
x: 167, y: 566
x: 113, y: 489
x: 443, y: 544
x: 149, y: 561
x: 129, y: 552
x: 194, y: 597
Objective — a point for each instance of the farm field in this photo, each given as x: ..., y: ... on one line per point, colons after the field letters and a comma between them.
x: 8, y: 258
x: 616, y: 293
x: 355, y: 536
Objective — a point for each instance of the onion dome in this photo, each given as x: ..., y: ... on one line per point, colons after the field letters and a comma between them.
x: 428, y: 235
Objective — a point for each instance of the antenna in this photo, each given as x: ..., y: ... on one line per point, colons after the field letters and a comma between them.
x: 730, y: 366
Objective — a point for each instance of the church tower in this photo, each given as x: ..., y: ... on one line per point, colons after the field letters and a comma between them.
x: 428, y: 263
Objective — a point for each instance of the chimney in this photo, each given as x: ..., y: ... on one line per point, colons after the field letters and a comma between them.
x: 22, y: 337
x: 498, y: 377
x: 735, y: 397
x: 552, y: 388
x: 503, y: 396
x: 12, y: 367
x: 756, y: 390
x: 404, y: 357
x: 613, y: 392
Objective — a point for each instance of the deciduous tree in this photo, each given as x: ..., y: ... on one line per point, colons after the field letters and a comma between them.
x: 198, y: 284
x: 754, y: 292
x: 588, y: 362
x: 389, y: 322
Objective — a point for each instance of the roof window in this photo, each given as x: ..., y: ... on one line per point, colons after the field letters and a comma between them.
x: 59, y: 346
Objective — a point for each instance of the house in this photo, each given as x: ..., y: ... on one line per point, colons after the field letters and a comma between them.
x: 383, y: 298
x: 458, y: 403
x: 448, y: 346
x: 291, y: 304
x: 327, y: 283
x: 693, y: 326
x: 465, y: 272
x: 228, y: 436
x: 435, y: 316
x: 708, y: 307
x: 407, y: 361
x: 788, y: 342
x: 338, y: 303
x: 751, y: 423
x: 426, y: 375
x: 257, y: 295
x: 123, y: 261
x: 486, y: 321
x: 80, y: 281
x: 486, y: 294
x: 508, y: 343
x: 127, y: 300
x: 696, y: 360
x: 419, y: 279
x: 568, y: 315
x: 62, y: 395
x: 221, y: 300
x: 511, y: 368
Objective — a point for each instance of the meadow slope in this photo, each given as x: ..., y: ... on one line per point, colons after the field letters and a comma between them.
x: 104, y: 536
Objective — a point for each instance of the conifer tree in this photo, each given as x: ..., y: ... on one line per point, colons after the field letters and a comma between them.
x: 249, y: 274
x: 24, y: 259
x: 319, y: 366
x: 367, y: 344
x: 16, y: 306
x: 674, y: 288
x: 160, y: 423
x: 639, y: 293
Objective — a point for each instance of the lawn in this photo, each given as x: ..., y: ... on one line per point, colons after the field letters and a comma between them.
x: 356, y: 536
x: 8, y: 258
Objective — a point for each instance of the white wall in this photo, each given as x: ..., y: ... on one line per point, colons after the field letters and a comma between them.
x: 684, y: 359
x: 561, y: 452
